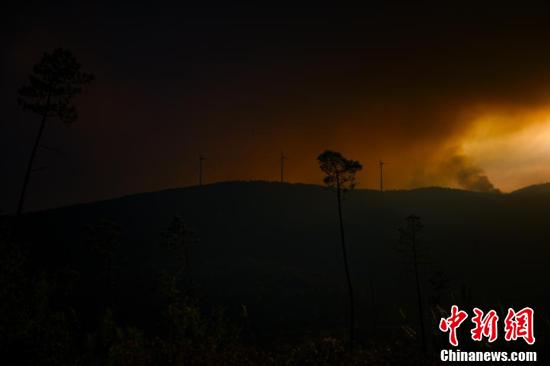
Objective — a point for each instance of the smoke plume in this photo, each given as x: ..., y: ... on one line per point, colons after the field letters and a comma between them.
x: 467, y: 175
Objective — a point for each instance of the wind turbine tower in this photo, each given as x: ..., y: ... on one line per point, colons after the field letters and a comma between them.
x: 381, y: 163
x: 201, y: 159
x: 283, y: 158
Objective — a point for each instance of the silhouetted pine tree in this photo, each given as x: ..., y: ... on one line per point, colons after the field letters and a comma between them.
x: 52, y: 85
x: 340, y: 175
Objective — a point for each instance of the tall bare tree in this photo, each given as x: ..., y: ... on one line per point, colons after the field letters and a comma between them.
x: 103, y: 239
x: 52, y: 85
x: 179, y: 239
x: 340, y: 176
x: 409, y: 237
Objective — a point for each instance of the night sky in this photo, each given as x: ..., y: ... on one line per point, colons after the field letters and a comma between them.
x: 448, y: 95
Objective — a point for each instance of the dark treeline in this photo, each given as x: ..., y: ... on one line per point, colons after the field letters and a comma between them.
x: 53, y: 314
x: 243, y: 276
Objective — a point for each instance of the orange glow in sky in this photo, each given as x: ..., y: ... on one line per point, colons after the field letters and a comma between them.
x: 513, y: 148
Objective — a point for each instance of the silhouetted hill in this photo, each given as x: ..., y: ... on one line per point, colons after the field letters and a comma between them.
x: 275, y: 248
x: 543, y: 188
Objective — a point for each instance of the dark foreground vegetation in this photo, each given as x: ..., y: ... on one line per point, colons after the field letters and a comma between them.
x: 249, y: 274
x: 42, y: 323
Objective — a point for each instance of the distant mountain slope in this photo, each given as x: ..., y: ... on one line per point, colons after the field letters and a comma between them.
x: 543, y: 188
x: 275, y: 247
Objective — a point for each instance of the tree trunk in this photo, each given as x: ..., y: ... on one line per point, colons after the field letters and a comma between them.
x: 346, y: 267
x: 29, y: 169
x: 418, y: 291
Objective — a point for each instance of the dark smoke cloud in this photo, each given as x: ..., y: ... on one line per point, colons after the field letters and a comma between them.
x: 452, y: 168
x: 468, y: 175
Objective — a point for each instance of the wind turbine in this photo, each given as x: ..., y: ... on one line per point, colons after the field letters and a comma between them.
x: 283, y: 158
x: 381, y: 164
x: 201, y: 159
